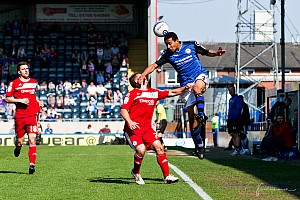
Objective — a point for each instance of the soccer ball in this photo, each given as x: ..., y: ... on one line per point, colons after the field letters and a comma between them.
x: 160, y: 29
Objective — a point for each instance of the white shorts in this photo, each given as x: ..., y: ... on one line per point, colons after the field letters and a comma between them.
x: 189, y: 96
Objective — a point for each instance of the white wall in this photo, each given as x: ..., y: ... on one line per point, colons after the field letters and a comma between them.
x: 71, y: 127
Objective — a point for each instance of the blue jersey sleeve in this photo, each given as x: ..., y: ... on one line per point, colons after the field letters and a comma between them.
x: 162, y: 59
x: 200, y: 49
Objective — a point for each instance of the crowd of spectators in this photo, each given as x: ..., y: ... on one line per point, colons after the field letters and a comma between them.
x: 100, y: 85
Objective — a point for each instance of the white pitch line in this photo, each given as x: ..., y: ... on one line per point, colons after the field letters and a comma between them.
x: 189, y: 181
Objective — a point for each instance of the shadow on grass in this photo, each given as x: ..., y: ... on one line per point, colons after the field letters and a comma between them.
x: 121, y: 180
x: 283, y: 175
x: 11, y: 172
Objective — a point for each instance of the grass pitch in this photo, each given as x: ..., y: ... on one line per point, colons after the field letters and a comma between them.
x: 103, y: 172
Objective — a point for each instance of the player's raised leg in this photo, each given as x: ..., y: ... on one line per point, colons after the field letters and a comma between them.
x: 195, y: 128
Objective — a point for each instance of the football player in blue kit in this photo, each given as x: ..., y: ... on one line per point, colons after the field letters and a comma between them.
x: 183, y: 56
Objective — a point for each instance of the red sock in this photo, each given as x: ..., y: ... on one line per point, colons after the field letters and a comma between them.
x: 32, y: 154
x: 137, y: 163
x: 163, y: 162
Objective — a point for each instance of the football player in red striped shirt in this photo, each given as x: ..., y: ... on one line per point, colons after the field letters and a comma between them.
x: 137, y: 110
x: 22, y: 92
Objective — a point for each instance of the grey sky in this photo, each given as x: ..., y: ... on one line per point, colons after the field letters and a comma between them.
x: 215, y: 20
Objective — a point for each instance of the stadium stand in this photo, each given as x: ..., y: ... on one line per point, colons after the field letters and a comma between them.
x: 51, y: 58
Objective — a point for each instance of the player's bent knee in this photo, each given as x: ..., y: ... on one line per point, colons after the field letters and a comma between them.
x: 141, y: 149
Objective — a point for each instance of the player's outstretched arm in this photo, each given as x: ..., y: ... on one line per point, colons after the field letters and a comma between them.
x: 178, y: 91
x: 219, y: 52
x: 147, y: 71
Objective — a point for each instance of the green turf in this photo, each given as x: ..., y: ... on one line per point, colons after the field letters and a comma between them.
x: 103, y: 172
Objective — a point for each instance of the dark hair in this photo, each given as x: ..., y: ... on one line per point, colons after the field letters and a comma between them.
x: 289, y: 100
x: 132, y: 80
x: 171, y: 35
x: 20, y: 64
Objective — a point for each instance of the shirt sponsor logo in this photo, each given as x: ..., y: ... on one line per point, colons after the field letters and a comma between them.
x: 30, y: 91
x: 147, y: 101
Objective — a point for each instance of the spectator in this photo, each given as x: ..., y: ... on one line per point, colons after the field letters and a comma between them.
x: 115, y: 50
x: 43, y: 113
x: 67, y: 86
x: 245, y: 120
x: 281, y: 105
x: 7, y: 28
x: 13, y: 50
x: 48, y: 130
x: 104, y: 111
x: 44, y: 86
x: 3, y: 89
x: 99, y: 40
x: 22, y: 56
x: 100, y: 66
x: 161, y: 122
x: 280, y: 138
x: 24, y: 25
x: 51, y: 101
x: 53, y: 54
x: 75, y: 91
x: 92, y: 91
x: 118, y: 97
x: 101, y: 89
x: 125, y: 61
x: 109, y: 98
x: 91, y: 69
x: 10, y: 111
x: 215, y: 128
x: 45, y: 51
x: 295, y: 126
x: 83, y: 68
x: 89, y: 129
x: 12, y: 70
x: 92, y: 56
x: 59, y: 104
x: 76, y: 57
x: 68, y: 102
x: 108, y: 68
x: 2, y: 104
x: 5, y: 68
x: 107, y: 55
x: 51, y: 88
x: 83, y: 89
x: 37, y: 51
x: 234, y: 119
x: 60, y: 88
x: 124, y: 79
x: 115, y: 64
x: 92, y: 40
x: 84, y: 57
x: 100, y: 77
x: 91, y: 108
x: 16, y: 25
x: 91, y: 28
x: 106, y: 129
x: 100, y: 52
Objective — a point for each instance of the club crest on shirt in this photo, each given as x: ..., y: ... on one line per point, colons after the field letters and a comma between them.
x: 188, y: 51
